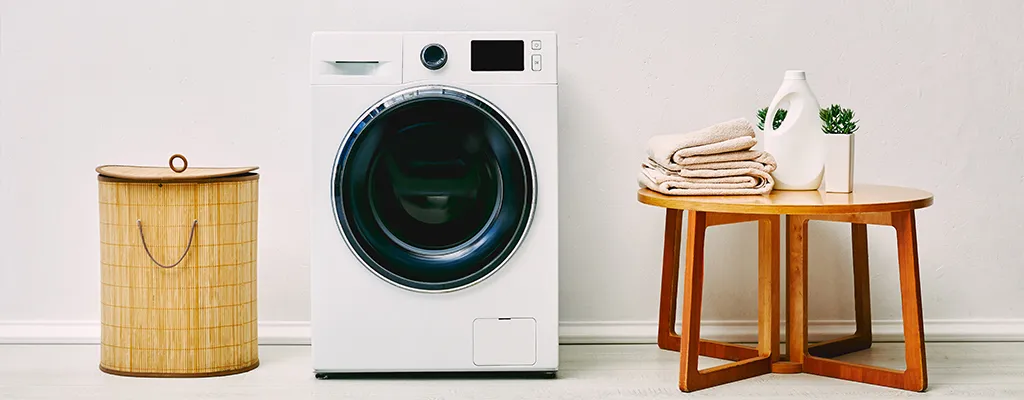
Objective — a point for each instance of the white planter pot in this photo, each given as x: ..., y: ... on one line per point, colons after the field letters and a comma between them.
x: 839, y: 163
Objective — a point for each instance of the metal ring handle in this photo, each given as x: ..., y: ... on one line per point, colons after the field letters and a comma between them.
x: 189, y: 246
x: 183, y: 161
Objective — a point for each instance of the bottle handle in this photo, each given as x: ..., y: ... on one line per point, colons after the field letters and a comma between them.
x: 773, y: 108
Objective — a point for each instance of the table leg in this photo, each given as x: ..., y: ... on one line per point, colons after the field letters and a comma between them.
x: 768, y: 287
x: 667, y: 337
x: 796, y: 288
x: 861, y: 283
x: 861, y: 338
x: 690, y: 377
x: 915, y: 376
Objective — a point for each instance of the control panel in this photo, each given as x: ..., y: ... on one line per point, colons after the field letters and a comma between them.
x: 484, y: 57
x: 457, y: 57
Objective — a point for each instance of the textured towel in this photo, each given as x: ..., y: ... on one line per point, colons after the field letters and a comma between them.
x: 760, y: 161
x: 730, y: 136
x: 700, y: 162
x: 748, y: 180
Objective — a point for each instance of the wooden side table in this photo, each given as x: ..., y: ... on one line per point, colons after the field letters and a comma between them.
x: 867, y: 205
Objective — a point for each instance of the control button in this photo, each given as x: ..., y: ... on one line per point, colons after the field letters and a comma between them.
x: 433, y: 56
x: 535, y: 45
x: 536, y: 62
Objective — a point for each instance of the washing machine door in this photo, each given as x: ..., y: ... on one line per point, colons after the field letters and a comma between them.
x: 434, y: 188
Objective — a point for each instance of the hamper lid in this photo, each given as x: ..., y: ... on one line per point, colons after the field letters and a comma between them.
x: 174, y: 173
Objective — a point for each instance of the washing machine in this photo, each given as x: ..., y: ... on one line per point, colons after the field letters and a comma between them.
x: 434, y: 211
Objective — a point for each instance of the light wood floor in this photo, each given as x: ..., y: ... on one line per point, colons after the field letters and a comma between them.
x: 956, y: 371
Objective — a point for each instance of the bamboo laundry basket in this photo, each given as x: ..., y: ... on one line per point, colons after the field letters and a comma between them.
x: 178, y: 270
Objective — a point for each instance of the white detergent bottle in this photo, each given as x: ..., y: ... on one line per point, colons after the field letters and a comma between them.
x: 798, y: 145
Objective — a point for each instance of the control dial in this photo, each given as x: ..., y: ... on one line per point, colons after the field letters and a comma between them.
x: 433, y: 56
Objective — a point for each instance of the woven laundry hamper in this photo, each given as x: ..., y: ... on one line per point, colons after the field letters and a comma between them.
x: 178, y: 270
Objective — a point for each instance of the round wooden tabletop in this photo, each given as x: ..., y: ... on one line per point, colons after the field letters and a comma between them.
x: 864, y: 199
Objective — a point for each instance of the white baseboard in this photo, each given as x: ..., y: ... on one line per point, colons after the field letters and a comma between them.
x: 987, y: 330
x: 573, y: 332
x: 88, y: 332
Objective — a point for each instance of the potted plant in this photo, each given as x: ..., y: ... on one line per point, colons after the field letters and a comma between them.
x: 839, y: 127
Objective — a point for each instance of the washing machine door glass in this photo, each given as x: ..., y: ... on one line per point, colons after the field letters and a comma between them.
x: 434, y: 188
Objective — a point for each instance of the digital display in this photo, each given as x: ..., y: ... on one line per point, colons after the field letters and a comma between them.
x: 497, y: 55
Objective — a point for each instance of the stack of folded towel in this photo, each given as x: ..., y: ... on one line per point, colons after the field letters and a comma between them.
x: 716, y: 160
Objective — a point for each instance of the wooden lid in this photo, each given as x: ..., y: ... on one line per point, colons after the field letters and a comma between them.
x: 174, y: 173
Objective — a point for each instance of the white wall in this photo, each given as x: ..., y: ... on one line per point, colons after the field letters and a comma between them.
x: 939, y: 87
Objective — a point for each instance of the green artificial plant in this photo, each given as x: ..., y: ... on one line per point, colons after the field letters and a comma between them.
x: 837, y: 120
x: 763, y: 113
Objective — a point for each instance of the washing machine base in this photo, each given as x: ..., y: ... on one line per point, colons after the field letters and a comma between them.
x: 534, y: 374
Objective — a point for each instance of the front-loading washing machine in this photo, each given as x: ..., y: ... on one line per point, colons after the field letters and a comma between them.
x: 434, y: 211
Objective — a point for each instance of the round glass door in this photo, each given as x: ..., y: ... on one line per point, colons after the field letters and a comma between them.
x: 434, y: 188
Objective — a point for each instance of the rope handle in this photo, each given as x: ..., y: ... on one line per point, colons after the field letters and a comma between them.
x: 146, y: 247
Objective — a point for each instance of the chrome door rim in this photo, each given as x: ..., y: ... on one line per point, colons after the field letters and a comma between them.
x: 402, y: 97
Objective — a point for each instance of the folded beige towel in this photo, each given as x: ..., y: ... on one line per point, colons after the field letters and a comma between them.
x: 730, y: 136
x: 743, y: 180
x: 727, y: 165
x: 767, y: 164
x: 702, y: 161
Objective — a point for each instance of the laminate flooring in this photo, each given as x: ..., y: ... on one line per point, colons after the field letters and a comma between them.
x: 591, y: 372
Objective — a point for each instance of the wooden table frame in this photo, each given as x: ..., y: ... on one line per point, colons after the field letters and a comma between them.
x: 815, y: 359
x: 765, y: 358
x: 747, y: 361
